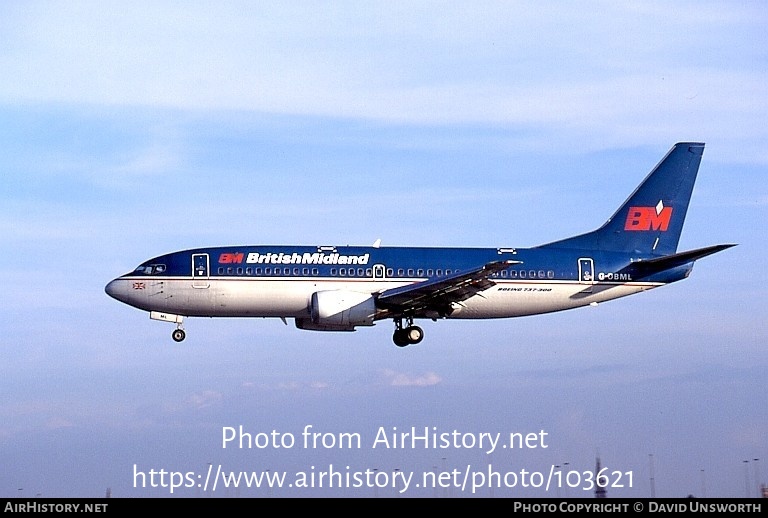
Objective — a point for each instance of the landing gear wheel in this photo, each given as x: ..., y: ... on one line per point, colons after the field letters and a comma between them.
x: 179, y: 335
x: 414, y: 334
x: 400, y: 339
x: 409, y: 335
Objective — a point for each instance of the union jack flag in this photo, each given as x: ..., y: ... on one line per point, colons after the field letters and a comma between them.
x: 138, y: 286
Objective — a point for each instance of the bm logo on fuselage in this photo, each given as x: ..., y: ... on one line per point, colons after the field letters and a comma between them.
x: 648, y: 218
x: 231, y: 258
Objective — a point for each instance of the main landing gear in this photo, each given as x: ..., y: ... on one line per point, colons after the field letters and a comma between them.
x: 408, y: 335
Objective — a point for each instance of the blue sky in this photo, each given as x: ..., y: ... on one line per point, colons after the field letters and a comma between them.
x: 137, y: 129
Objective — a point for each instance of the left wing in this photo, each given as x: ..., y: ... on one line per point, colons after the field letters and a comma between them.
x: 437, y: 294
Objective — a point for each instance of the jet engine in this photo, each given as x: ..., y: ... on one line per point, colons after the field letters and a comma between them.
x: 337, y: 310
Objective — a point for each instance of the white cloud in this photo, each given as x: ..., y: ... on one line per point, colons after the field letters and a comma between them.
x: 205, y: 398
x: 399, y: 379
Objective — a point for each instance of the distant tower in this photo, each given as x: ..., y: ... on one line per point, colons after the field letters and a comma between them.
x: 600, y: 481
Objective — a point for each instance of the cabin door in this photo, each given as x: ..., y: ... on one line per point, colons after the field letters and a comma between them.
x: 200, y: 271
x: 586, y: 271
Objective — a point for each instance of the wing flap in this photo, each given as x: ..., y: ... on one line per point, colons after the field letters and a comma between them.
x: 438, y: 294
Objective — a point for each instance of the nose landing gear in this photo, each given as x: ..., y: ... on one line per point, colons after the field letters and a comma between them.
x: 178, y: 335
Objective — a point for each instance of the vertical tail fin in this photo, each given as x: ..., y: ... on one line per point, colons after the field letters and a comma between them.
x: 651, y: 220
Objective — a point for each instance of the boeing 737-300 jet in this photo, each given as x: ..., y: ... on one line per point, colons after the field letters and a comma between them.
x: 340, y: 288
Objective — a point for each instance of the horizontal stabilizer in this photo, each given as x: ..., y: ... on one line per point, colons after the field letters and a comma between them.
x: 660, y: 264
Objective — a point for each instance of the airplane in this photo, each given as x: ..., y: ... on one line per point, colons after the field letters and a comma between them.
x: 341, y: 288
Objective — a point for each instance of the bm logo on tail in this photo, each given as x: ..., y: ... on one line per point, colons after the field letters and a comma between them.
x: 648, y: 218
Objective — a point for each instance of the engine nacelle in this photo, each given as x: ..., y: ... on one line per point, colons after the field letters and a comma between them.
x: 307, y: 325
x: 337, y: 310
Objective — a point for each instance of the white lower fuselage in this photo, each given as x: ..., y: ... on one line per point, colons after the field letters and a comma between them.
x: 290, y: 297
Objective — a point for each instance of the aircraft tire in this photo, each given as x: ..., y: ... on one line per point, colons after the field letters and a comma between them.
x: 178, y: 335
x: 414, y: 334
x: 400, y: 338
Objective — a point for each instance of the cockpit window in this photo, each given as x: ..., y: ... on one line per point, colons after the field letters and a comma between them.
x: 150, y: 269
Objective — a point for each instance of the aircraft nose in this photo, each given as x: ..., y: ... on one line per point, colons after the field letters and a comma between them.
x: 126, y: 291
x: 113, y: 289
